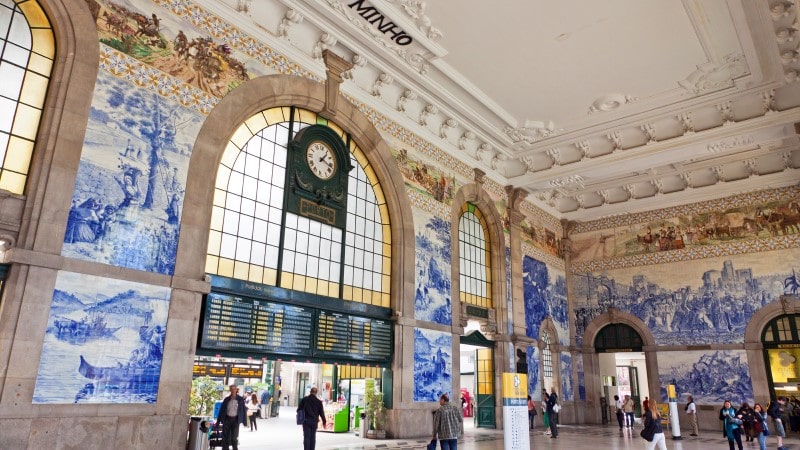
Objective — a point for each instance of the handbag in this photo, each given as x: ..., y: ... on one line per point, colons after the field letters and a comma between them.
x: 432, y: 444
x: 556, y: 408
x: 647, y: 433
x: 764, y: 428
x: 301, y: 416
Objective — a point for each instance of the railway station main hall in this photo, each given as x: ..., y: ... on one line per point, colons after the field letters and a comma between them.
x: 389, y: 200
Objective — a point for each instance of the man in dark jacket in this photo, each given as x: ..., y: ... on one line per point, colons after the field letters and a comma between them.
x: 313, y: 410
x: 552, y: 401
x: 231, y: 414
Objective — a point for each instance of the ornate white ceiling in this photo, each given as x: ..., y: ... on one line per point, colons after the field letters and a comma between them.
x: 595, y: 108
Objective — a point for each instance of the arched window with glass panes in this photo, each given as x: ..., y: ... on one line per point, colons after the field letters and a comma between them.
x: 475, y: 281
x: 27, y: 50
x: 547, y: 356
x: 254, y: 238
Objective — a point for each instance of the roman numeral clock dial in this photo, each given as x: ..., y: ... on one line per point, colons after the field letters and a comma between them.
x: 320, y: 160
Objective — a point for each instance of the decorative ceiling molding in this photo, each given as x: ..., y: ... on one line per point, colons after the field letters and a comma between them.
x: 532, y: 131
x: 610, y: 102
x: 710, y: 77
x: 413, y: 57
x: 416, y: 10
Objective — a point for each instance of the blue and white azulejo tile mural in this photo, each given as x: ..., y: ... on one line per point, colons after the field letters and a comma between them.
x: 432, y: 297
x: 567, y: 390
x: 433, y: 364
x: 545, y: 294
x: 711, y: 377
x: 128, y: 196
x: 104, y: 341
x: 708, y: 301
x: 534, y: 382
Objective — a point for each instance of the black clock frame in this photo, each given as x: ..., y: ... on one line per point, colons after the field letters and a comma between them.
x: 307, y: 194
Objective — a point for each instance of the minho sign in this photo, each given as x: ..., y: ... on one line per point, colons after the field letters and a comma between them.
x: 380, y: 22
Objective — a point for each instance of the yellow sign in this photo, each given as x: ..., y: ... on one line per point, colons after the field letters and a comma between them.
x: 515, y: 389
x: 783, y: 363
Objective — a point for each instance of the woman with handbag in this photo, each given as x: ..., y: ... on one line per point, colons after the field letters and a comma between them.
x: 652, y: 432
x: 733, y: 424
x: 760, y: 428
x: 252, y: 410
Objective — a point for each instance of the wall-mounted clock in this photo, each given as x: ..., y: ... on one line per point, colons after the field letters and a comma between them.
x: 317, y: 175
x: 321, y: 160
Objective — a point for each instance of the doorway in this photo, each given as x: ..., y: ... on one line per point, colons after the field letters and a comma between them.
x: 623, y: 369
x: 477, y: 380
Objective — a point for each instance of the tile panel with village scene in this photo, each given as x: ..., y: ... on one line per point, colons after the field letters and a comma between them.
x: 433, y: 364
x: 545, y: 294
x: 432, y: 296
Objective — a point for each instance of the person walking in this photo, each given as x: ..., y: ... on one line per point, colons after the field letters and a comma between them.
x: 651, y: 420
x: 618, y: 411
x: 531, y: 412
x: 266, y: 396
x: 627, y: 408
x: 775, y: 410
x: 448, y: 424
x: 691, y: 411
x: 552, y: 401
x: 545, y: 417
x: 733, y: 425
x: 232, y: 413
x: 748, y: 418
x: 760, y: 428
x: 252, y: 411
x: 313, y: 411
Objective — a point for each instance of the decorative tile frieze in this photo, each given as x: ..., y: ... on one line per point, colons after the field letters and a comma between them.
x: 688, y: 254
x: 751, y: 198
x: 427, y: 203
x: 123, y: 66
x: 540, y: 255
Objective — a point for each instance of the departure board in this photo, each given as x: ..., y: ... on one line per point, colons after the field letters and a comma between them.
x: 355, y: 337
x: 249, y: 325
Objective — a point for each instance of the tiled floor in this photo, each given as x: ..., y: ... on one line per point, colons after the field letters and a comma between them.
x: 282, y: 434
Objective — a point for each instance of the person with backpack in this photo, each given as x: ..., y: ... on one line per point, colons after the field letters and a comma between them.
x: 691, y: 411
x: 775, y: 410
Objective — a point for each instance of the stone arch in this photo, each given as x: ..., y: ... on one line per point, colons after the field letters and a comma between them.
x: 278, y: 90
x: 548, y: 326
x: 591, y: 360
x: 754, y: 347
x: 62, y: 127
x: 613, y: 316
x: 475, y: 194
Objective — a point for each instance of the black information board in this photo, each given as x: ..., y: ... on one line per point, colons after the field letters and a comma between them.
x: 353, y: 336
x: 249, y: 325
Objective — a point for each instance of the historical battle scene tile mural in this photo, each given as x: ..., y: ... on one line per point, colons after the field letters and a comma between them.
x: 425, y: 178
x: 772, y: 219
x: 692, y: 302
x: 129, y: 190
x: 432, y: 297
x: 711, y: 377
x: 545, y: 293
x: 152, y: 35
x: 433, y: 364
x: 104, y: 341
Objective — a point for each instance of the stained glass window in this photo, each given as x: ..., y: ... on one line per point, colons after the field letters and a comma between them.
x: 252, y: 237
x: 473, y: 251
x: 27, y: 50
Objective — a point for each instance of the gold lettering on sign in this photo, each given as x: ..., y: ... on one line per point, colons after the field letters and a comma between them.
x: 317, y: 211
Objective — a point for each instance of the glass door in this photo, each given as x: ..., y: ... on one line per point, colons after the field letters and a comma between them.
x: 484, y: 388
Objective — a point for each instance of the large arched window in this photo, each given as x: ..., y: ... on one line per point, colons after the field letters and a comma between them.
x: 27, y: 50
x: 475, y: 279
x: 254, y: 238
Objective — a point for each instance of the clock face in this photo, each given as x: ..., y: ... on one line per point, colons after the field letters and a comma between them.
x: 320, y: 160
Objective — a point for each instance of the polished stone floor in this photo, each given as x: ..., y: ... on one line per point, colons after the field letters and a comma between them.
x: 282, y: 434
